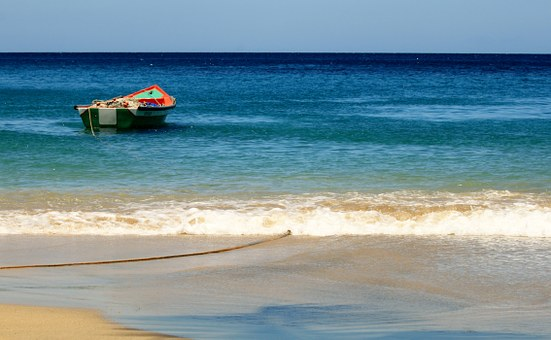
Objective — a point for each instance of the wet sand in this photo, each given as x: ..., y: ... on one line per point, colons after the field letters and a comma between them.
x: 31, y: 322
x: 323, y: 287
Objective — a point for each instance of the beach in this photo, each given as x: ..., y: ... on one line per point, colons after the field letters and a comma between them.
x: 296, y: 286
x: 26, y: 322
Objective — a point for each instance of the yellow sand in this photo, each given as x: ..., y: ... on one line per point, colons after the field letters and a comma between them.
x: 24, y: 322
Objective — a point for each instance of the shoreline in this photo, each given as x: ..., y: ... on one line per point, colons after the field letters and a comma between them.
x: 299, y: 286
x: 35, y: 322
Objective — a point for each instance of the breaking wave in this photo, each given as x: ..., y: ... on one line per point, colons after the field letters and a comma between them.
x: 399, y: 213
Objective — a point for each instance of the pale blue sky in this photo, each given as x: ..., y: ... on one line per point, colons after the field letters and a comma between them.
x: 509, y: 26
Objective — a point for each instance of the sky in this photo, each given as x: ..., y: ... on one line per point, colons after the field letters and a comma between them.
x: 429, y: 26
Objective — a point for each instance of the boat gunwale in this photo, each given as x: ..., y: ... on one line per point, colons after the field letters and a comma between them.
x: 139, y: 108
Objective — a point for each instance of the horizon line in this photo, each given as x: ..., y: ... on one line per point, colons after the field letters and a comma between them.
x: 269, y: 52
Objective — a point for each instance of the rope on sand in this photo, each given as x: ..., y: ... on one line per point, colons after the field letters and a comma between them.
x: 144, y: 259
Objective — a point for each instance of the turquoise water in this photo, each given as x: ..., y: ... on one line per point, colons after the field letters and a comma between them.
x: 369, y: 143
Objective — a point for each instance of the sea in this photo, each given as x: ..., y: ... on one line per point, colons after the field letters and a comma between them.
x: 417, y: 188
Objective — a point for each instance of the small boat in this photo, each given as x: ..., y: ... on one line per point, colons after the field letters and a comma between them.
x: 145, y: 108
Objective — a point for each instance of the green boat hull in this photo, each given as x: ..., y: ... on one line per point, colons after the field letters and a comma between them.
x: 122, y: 118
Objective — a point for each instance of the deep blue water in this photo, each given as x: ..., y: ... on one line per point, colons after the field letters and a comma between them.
x: 257, y: 125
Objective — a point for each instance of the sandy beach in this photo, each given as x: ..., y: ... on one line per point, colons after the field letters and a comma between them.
x: 293, y: 287
x: 31, y: 322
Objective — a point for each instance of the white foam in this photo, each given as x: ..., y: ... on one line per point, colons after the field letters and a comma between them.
x: 402, y: 213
